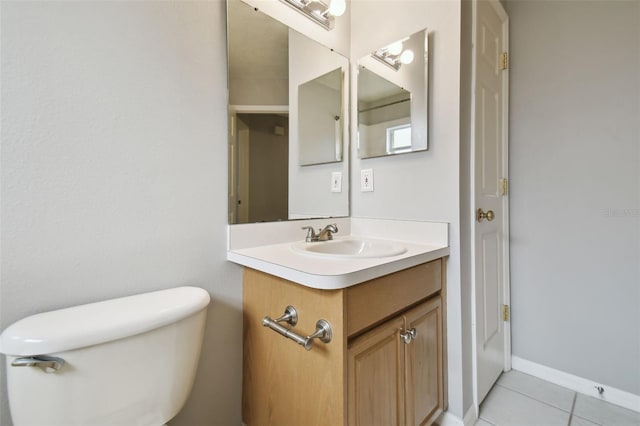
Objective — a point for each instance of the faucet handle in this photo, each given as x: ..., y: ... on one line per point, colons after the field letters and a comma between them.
x: 311, y: 234
x: 327, y: 232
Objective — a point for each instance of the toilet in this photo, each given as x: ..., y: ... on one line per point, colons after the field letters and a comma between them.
x: 121, y: 362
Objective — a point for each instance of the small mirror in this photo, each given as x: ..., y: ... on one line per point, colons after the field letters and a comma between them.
x: 392, y: 98
x: 320, y: 119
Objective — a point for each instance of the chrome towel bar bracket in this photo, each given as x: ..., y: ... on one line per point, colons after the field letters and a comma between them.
x: 323, y: 329
x: 290, y: 316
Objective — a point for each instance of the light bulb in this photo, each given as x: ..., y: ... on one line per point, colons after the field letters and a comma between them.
x: 337, y: 7
x: 406, y: 57
x: 395, y: 48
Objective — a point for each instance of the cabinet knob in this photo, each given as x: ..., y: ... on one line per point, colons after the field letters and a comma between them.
x: 408, y: 335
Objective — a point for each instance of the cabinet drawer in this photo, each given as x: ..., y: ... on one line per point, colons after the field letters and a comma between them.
x: 373, y: 301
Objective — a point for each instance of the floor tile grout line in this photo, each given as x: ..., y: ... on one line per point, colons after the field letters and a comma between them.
x: 573, y: 406
x: 572, y: 411
x: 480, y: 415
x: 534, y: 399
x: 590, y: 420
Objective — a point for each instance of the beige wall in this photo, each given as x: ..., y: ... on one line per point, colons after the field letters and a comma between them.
x: 575, y: 187
x: 114, y: 169
x: 310, y: 186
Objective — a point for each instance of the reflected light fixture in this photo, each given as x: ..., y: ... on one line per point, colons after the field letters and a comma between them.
x: 318, y: 11
x: 393, y: 55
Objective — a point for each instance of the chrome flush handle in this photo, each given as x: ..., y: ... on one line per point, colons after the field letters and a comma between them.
x: 48, y: 364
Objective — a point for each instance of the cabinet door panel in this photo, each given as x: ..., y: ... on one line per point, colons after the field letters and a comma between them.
x: 376, y: 377
x: 424, y: 364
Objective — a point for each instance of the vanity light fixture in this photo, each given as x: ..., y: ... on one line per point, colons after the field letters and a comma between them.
x: 318, y: 11
x: 394, y: 55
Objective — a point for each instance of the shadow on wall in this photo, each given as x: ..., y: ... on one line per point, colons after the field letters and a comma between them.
x: 212, y: 393
x: 4, y: 403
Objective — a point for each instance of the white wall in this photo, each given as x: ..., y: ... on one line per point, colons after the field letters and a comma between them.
x: 319, y: 132
x: 114, y: 169
x: 310, y: 186
x: 258, y: 64
x: 575, y: 187
x: 467, y: 218
x: 337, y: 38
x: 423, y: 185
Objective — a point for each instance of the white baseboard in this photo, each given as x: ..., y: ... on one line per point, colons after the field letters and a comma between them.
x: 448, y: 419
x: 578, y: 384
x: 471, y: 417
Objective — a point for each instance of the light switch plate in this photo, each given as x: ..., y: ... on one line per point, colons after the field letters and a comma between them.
x: 366, y: 180
x: 336, y: 182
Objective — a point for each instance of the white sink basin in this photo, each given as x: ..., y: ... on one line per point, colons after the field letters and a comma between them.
x: 350, y: 248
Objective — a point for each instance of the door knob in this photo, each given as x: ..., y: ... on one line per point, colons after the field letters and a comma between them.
x: 489, y: 215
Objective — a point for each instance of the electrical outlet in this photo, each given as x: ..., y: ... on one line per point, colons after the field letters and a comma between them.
x: 366, y: 180
x: 336, y: 182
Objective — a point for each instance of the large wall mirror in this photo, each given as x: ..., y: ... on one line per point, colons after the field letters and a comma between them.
x: 392, y: 98
x: 287, y: 127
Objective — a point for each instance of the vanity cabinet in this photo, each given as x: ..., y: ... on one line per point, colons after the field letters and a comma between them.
x: 394, y: 370
x: 367, y: 375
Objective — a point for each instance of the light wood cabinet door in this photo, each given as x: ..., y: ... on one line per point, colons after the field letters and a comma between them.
x: 423, y: 359
x: 376, y: 377
x: 391, y: 382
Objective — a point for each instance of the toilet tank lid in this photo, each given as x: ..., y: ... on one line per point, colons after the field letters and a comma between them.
x: 100, y: 322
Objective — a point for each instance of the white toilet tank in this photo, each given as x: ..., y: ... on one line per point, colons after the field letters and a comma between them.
x: 127, y: 361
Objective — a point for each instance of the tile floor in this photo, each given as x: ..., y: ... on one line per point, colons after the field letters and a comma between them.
x: 518, y: 399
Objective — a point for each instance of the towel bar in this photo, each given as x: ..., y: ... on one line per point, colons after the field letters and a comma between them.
x: 323, y: 328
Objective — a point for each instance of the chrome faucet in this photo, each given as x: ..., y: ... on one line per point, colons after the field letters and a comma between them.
x: 324, y: 234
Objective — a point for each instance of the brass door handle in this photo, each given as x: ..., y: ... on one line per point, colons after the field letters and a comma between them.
x: 489, y: 215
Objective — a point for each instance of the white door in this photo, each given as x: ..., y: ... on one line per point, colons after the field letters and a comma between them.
x: 491, y: 224
x: 243, y: 172
x: 238, y: 170
x: 233, y: 168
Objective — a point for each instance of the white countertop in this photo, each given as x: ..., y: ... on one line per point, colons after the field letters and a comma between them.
x: 330, y: 273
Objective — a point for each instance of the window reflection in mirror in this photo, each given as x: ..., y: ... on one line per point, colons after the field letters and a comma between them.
x: 384, y: 116
x: 267, y: 65
x: 392, y: 98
